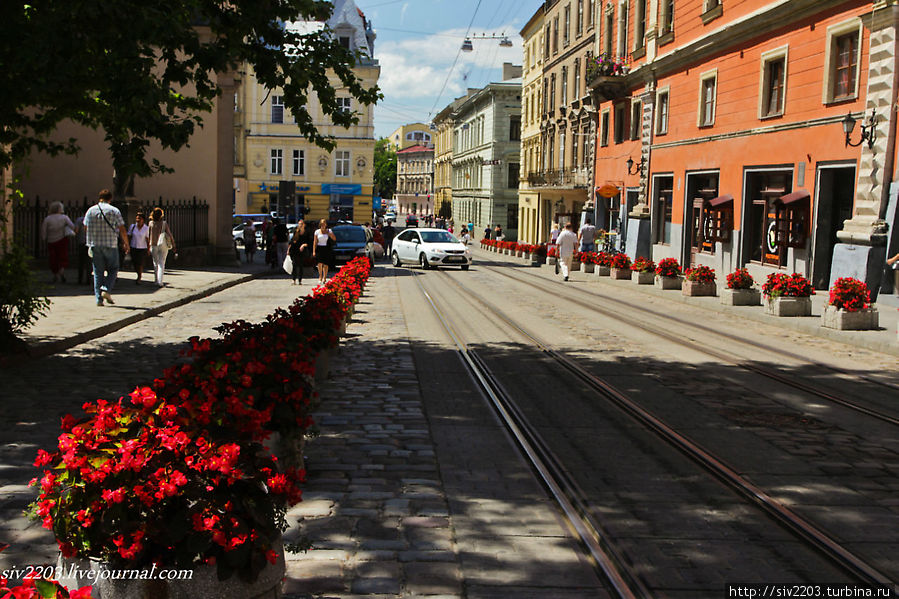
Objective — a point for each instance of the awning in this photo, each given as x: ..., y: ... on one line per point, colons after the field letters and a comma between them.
x: 795, y: 196
x: 721, y: 200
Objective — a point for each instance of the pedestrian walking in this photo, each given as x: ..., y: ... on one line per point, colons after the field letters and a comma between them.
x: 567, y: 242
x: 465, y: 237
x: 104, y: 227
x: 281, y: 238
x: 139, y: 238
x: 389, y: 233
x: 298, y: 249
x: 161, y: 243
x: 249, y: 240
x: 554, y: 234
x: 55, y: 231
x: 322, y: 251
x: 268, y: 242
x: 587, y: 236
x: 487, y: 232
x: 498, y: 233
x: 470, y: 228
x: 84, y: 260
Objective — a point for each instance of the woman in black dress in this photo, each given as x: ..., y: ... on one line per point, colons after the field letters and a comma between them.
x: 298, y: 249
x: 321, y: 249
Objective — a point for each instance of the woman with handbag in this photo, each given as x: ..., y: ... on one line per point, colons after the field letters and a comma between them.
x: 139, y: 238
x: 297, y: 249
x: 161, y: 242
x: 56, y: 230
x: 321, y: 249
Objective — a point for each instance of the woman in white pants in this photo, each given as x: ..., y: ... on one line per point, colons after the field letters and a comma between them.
x: 159, y: 251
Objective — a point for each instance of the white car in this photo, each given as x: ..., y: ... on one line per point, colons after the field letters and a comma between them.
x: 429, y: 248
x: 390, y: 216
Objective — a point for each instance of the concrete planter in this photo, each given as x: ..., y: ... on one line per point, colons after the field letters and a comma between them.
x: 863, y: 320
x: 323, y: 364
x: 620, y: 273
x: 698, y: 288
x: 788, y: 306
x: 204, y: 583
x: 602, y: 271
x: 669, y: 282
x: 741, y: 297
x: 588, y: 267
x: 534, y: 258
x: 575, y: 266
x: 551, y: 260
x: 643, y: 278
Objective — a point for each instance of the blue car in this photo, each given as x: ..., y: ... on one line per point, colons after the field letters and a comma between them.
x: 353, y: 241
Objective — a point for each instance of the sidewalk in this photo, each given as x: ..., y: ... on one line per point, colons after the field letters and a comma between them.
x: 883, y: 340
x: 74, y: 317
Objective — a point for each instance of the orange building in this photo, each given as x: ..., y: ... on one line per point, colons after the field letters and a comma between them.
x: 723, y: 131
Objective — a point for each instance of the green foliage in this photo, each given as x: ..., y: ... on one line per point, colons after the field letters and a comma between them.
x: 385, y: 168
x: 144, y: 72
x: 20, y: 301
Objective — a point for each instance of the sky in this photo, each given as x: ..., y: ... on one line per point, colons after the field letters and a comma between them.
x: 419, y: 40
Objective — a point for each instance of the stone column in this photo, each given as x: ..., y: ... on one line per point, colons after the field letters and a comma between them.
x: 862, y: 251
x: 639, y: 233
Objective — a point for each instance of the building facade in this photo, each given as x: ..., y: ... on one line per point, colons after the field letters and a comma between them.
x: 534, y: 215
x: 413, y: 134
x: 567, y: 123
x: 276, y: 169
x: 415, y: 180
x: 732, y: 115
x: 443, y: 158
x: 486, y: 154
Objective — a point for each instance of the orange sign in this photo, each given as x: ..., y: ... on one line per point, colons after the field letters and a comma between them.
x: 608, y: 191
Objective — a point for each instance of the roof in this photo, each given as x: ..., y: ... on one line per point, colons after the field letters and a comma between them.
x: 418, y: 148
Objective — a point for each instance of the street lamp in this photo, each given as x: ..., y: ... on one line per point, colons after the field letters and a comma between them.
x: 504, y: 41
x: 630, y: 166
x: 869, y: 133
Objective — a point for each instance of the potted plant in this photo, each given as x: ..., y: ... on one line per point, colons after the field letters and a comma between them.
x: 620, y: 266
x: 138, y: 484
x: 576, y: 261
x: 740, y: 290
x: 788, y: 295
x: 849, y: 307
x: 552, y: 254
x: 643, y: 271
x: 588, y: 260
x: 668, y: 274
x: 699, y: 281
x: 601, y: 262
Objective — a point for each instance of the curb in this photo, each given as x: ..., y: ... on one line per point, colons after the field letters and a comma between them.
x: 49, y: 348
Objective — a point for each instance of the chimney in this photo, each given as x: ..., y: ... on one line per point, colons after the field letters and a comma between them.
x: 511, y: 71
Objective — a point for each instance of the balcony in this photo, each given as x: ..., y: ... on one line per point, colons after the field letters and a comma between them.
x: 606, y: 76
x: 572, y: 178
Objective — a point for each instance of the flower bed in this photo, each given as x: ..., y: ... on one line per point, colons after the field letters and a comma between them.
x: 176, y: 474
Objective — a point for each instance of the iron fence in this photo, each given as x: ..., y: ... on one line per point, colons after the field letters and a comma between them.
x: 188, y: 220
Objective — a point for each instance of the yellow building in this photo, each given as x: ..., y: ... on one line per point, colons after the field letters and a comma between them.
x: 276, y: 169
x: 413, y: 134
x: 534, y: 212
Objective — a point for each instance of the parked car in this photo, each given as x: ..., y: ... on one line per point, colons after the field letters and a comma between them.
x: 352, y: 241
x: 390, y: 216
x: 411, y: 220
x: 429, y: 248
x: 237, y: 233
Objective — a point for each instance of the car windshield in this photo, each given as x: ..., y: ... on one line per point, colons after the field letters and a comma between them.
x: 438, y: 237
x: 349, y: 234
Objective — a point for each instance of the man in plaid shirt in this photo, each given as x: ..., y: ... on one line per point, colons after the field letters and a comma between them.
x: 104, y: 226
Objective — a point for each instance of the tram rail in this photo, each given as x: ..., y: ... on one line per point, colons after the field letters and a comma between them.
x: 602, y: 548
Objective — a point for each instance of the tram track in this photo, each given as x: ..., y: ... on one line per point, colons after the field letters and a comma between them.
x: 718, y: 355
x: 553, y: 473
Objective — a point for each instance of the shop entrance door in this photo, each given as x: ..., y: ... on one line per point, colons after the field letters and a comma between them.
x: 835, y: 194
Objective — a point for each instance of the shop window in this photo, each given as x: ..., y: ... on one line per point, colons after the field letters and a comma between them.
x: 663, y: 192
x: 791, y: 215
x: 719, y: 219
x: 766, y: 232
x: 702, y: 189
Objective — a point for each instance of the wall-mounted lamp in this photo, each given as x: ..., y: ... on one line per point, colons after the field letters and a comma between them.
x: 869, y: 132
x: 630, y: 166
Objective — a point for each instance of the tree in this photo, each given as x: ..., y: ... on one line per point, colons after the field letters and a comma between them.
x: 145, y: 72
x: 385, y: 168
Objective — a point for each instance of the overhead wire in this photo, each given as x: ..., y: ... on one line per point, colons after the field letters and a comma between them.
x: 453, y: 66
